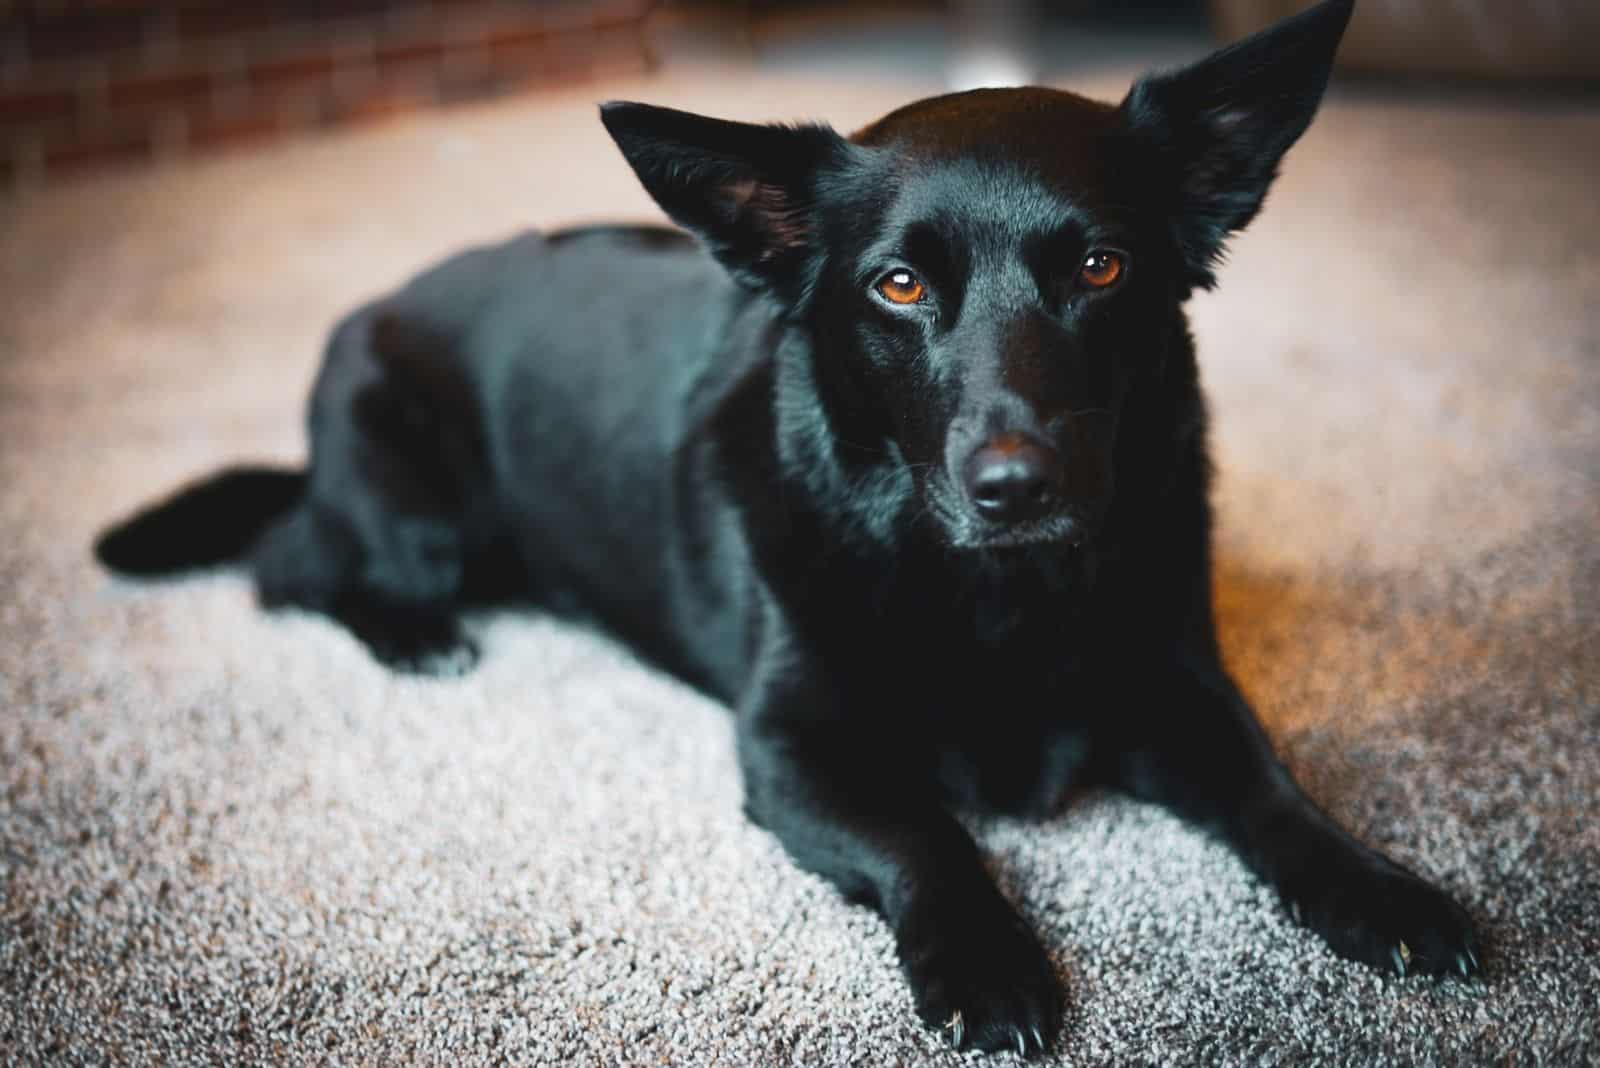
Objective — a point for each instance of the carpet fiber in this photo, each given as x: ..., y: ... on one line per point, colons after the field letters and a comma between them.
x: 231, y: 838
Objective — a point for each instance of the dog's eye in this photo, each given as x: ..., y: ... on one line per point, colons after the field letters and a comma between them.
x: 1100, y: 269
x: 901, y: 287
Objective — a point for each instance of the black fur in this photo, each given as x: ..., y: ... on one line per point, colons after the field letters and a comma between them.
x: 775, y: 488
x: 211, y: 522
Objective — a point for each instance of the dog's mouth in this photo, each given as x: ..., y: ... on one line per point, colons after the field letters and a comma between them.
x: 1061, y: 529
x: 966, y: 530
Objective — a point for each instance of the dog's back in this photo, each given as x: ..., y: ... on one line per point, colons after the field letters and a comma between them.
x: 549, y: 397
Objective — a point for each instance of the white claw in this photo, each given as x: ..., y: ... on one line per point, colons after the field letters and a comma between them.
x: 956, y: 1027
x: 1022, y: 1044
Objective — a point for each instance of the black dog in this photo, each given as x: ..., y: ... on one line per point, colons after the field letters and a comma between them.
x: 923, y: 495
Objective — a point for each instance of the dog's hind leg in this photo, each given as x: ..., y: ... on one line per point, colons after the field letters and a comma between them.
x: 381, y: 542
x: 415, y: 637
x: 405, y: 616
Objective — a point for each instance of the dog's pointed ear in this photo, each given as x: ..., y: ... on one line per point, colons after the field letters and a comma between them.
x: 1210, y: 136
x: 748, y: 191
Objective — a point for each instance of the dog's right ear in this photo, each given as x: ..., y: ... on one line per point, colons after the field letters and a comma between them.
x: 748, y: 191
x: 1212, y: 134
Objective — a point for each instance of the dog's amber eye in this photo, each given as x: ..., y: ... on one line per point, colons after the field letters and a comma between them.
x: 901, y: 287
x: 1100, y: 269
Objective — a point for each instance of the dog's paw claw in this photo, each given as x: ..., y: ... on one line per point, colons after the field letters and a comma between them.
x: 1371, y: 910
x: 449, y: 663
x: 448, y: 657
x: 957, y: 1029
x: 980, y: 976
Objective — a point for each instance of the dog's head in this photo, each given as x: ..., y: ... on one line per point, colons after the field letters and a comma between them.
x: 987, y: 276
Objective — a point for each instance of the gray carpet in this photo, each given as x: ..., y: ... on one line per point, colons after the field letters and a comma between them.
x: 227, y: 838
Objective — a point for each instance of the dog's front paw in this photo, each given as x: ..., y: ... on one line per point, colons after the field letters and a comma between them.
x: 441, y: 662
x: 980, y: 976
x: 1370, y: 909
x: 443, y: 653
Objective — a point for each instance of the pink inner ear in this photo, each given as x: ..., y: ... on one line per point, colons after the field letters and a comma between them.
x: 767, y: 211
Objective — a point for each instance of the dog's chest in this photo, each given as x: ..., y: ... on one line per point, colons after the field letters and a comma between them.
x: 1002, y: 683
x: 1012, y: 732
x: 1027, y: 772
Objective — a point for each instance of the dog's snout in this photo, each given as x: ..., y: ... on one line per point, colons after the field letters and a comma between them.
x: 1013, y: 478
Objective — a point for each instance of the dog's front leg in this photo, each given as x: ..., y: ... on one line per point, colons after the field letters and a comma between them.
x: 848, y: 803
x: 1194, y: 745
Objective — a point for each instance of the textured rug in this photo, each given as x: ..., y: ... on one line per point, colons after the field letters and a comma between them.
x: 228, y: 838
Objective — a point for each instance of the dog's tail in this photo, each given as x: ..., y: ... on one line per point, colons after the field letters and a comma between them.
x: 210, y: 522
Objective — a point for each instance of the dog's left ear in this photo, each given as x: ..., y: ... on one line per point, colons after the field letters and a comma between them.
x: 748, y: 191
x: 1211, y: 135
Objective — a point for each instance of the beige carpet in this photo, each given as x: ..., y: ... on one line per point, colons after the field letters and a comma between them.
x: 227, y: 838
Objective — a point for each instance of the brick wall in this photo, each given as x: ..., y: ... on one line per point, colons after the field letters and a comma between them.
x: 87, y: 84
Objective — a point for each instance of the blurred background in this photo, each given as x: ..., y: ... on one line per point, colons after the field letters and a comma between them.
x: 87, y: 85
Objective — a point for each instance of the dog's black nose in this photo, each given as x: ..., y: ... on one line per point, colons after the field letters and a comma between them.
x: 1013, y: 478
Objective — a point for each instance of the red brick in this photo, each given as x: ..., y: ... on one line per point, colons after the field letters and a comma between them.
x: 563, y: 17
x: 97, y: 152
x: 225, y: 20
x: 380, y: 103
x: 477, y: 83
x: 227, y: 132
x: 81, y: 34
x: 346, y: 8
x: 561, y: 55
x: 409, y: 53
x: 516, y: 36
x: 295, y: 68
x: 151, y: 92
x: 23, y: 107
x: 532, y: 53
x: 296, y: 106
x: 622, y: 47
